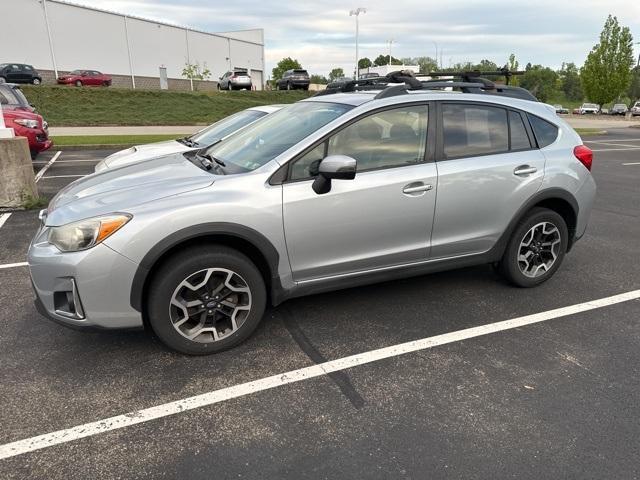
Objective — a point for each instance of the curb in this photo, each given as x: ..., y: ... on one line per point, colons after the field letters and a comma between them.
x: 119, y: 146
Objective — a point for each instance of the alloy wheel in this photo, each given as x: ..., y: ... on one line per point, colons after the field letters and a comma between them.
x: 539, y: 249
x: 210, y: 305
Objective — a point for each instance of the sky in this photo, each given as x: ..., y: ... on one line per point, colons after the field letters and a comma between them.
x: 321, y: 34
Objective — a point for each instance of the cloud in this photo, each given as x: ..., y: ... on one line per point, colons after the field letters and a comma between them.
x: 322, y: 35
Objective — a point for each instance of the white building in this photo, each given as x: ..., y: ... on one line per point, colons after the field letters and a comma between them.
x: 386, y: 69
x: 56, y: 36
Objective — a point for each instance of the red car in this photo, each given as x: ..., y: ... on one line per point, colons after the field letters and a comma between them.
x: 21, y: 116
x: 81, y: 78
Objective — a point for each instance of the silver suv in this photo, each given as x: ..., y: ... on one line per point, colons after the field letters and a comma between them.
x: 334, y: 191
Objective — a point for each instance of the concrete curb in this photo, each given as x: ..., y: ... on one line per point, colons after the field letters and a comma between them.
x: 119, y: 146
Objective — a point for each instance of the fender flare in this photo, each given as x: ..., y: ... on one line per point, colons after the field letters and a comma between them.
x: 155, y: 253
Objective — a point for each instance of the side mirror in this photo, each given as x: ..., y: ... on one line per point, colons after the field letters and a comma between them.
x: 338, y: 167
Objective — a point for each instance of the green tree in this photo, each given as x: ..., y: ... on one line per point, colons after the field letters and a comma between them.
x: 541, y: 81
x: 318, y: 79
x: 634, y: 88
x: 426, y: 64
x: 382, y: 60
x: 606, y: 73
x: 282, y: 66
x: 512, y: 66
x: 364, y: 63
x: 570, y: 82
x: 194, y: 71
x: 336, y: 74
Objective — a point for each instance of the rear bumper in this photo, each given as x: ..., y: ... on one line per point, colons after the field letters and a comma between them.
x: 585, y: 196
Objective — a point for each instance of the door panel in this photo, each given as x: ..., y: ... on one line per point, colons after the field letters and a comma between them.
x: 478, y: 197
x: 360, y: 224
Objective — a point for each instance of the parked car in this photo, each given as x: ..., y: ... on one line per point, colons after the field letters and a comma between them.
x: 635, y: 110
x: 561, y: 110
x: 588, y: 108
x: 81, y: 78
x: 12, y: 98
x: 293, y: 79
x: 335, y: 191
x: 618, y: 109
x: 21, y: 116
x: 202, y: 139
x: 235, y: 80
x: 19, y: 73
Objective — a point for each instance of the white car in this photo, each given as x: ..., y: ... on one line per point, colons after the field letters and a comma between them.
x: 635, y: 110
x: 588, y: 108
x: 202, y: 139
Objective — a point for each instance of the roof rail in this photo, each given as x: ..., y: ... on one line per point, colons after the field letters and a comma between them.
x: 401, y: 82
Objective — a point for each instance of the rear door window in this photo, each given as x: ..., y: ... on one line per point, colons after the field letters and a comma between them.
x: 545, y: 132
x: 472, y: 130
x: 519, y: 136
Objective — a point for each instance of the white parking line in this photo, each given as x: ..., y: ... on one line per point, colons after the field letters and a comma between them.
x: 46, y: 167
x: 615, y: 149
x: 12, y: 265
x: 141, y: 416
x: 632, y: 163
x: 38, y: 162
x: 617, y: 144
x: 3, y: 218
x: 614, y: 140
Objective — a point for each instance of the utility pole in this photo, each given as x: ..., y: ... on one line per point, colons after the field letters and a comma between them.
x: 357, y: 13
x: 390, y: 43
x: 436, y: 57
x: 126, y: 37
x: 46, y: 22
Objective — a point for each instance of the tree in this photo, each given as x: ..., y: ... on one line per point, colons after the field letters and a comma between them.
x: 382, y: 60
x: 606, y: 73
x: 512, y: 66
x: 364, y: 63
x: 284, y: 65
x: 570, y: 82
x: 634, y: 88
x: 426, y: 64
x: 541, y: 81
x: 194, y: 71
x: 335, y: 74
x: 318, y: 79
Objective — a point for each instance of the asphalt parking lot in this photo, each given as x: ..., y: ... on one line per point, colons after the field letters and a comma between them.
x: 552, y: 399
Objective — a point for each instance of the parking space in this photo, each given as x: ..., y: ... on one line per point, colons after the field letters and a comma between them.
x: 555, y: 398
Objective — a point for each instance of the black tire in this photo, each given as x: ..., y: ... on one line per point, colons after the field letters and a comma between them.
x: 218, y: 86
x: 306, y: 87
x: 34, y: 154
x: 105, y: 84
x: 36, y: 81
x: 3, y: 80
x: 180, y: 267
x: 78, y: 83
x: 288, y: 86
x: 509, y: 265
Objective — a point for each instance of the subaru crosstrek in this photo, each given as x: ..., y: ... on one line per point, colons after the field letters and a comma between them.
x: 331, y: 192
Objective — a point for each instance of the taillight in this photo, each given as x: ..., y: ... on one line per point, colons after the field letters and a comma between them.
x: 585, y: 155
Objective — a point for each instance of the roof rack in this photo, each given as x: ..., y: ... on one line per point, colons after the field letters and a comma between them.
x: 401, y: 82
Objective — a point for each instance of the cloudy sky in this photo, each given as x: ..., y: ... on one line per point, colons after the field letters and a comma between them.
x: 321, y: 35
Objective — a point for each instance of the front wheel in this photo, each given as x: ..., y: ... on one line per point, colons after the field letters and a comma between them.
x: 536, y: 248
x: 36, y: 81
x: 206, y: 299
x: 78, y: 83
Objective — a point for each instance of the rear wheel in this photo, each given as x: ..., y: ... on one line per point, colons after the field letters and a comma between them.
x: 36, y: 81
x: 105, y: 83
x: 206, y: 299
x: 78, y: 83
x: 288, y: 86
x: 3, y: 80
x: 536, y: 248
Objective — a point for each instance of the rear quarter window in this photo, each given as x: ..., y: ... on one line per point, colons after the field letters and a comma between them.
x: 545, y: 132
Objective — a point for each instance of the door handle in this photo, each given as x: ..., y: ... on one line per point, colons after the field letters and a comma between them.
x: 524, y: 170
x: 417, y: 187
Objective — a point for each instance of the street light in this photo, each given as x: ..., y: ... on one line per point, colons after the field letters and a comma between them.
x: 357, y: 13
x: 436, y: 59
x: 390, y: 43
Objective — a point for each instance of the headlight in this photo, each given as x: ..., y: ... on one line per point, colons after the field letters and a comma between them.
x: 121, y: 153
x: 27, y: 123
x: 86, y: 233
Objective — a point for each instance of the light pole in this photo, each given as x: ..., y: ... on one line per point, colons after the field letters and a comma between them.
x: 638, y: 63
x: 357, y: 13
x: 390, y: 43
x: 436, y: 58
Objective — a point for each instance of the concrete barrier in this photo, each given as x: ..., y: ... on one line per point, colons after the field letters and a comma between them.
x: 17, y: 179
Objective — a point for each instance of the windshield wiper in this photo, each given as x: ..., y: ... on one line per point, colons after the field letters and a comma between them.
x: 188, y: 142
x: 211, y: 158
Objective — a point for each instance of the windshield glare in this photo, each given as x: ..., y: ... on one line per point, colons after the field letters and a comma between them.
x: 263, y: 141
x: 226, y: 126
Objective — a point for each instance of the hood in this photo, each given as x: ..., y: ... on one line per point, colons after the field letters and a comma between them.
x: 141, y: 153
x: 15, y: 113
x: 121, y: 189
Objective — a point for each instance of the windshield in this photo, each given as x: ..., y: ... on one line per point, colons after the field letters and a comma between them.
x: 263, y: 141
x: 226, y: 126
x: 75, y: 72
x: 590, y: 105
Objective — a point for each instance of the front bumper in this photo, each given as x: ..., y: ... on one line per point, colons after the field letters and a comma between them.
x: 98, y: 281
x: 38, y: 138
